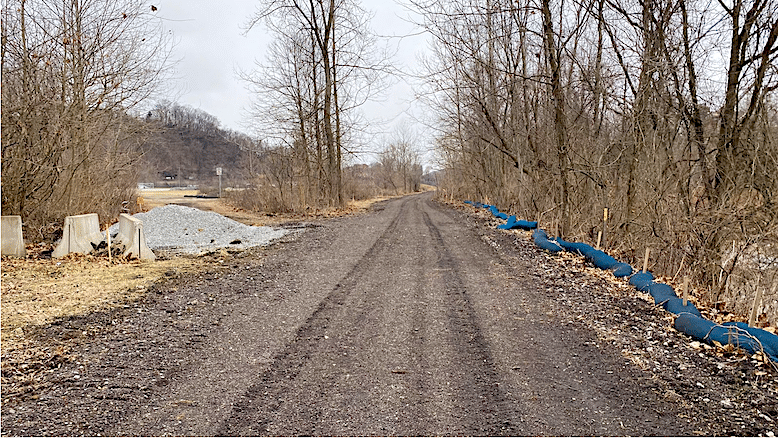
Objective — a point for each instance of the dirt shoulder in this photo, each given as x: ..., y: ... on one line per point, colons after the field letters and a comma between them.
x: 412, y: 319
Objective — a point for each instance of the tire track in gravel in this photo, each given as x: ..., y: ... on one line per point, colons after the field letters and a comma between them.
x: 392, y: 351
x: 251, y: 418
x: 484, y: 404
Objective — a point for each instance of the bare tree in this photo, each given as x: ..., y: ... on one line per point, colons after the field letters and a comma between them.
x: 400, y: 162
x: 560, y: 118
x: 72, y: 70
x: 751, y: 76
x: 321, y: 67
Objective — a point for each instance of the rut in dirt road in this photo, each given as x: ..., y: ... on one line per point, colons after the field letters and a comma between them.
x: 399, y: 347
x: 394, y: 350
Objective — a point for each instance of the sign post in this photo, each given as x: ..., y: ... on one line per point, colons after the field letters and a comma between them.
x: 219, y: 172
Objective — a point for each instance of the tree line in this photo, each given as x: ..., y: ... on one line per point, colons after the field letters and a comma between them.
x: 660, y: 111
x: 274, y: 180
x: 79, y: 129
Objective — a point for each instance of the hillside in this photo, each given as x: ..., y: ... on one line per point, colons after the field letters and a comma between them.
x: 186, y: 146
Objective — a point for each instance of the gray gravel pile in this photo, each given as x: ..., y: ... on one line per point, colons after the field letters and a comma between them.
x: 189, y: 230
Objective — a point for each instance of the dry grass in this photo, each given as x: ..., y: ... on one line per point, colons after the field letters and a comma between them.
x: 156, y: 198
x: 39, y: 291
x: 268, y: 219
x: 150, y: 198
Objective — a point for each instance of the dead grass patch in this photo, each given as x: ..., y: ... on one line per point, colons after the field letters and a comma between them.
x: 38, y: 291
x: 156, y: 198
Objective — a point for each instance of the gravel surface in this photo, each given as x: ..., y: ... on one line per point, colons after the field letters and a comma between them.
x: 416, y: 319
x: 189, y: 230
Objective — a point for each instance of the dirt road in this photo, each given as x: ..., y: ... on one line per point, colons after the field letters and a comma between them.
x: 410, y: 320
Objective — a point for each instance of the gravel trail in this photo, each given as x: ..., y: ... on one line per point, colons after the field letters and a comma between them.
x: 422, y: 338
x: 414, y: 319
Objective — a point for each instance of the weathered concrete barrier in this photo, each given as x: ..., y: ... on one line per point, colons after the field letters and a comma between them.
x: 132, y: 238
x: 80, y: 234
x: 11, y: 237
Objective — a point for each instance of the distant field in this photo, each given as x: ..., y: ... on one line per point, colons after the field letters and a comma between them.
x: 151, y: 198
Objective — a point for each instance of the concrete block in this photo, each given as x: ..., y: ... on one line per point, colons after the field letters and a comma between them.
x: 133, y: 239
x: 78, y: 235
x: 11, y: 237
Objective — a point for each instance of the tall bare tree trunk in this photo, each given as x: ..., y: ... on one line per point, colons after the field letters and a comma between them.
x: 338, y: 168
x: 695, y: 117
x: 560, y: 121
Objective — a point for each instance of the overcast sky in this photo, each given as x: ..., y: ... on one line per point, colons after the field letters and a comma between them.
x: 211, y: 46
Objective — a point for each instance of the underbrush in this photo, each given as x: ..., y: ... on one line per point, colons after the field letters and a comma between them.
x: 295, y: 198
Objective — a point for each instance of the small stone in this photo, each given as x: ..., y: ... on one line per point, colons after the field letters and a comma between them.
x: 727, y: 404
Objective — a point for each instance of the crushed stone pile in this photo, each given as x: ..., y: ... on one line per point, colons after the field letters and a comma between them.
x: 188, y: 230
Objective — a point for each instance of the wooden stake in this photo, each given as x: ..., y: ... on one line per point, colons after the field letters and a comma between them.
x: 604, y: 227
x: 755, y: 307
x: 685, y: 290
x: 645, y: 260
x: 599, y: 239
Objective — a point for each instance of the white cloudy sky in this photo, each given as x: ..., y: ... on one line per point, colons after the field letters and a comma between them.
x: 211, y: 46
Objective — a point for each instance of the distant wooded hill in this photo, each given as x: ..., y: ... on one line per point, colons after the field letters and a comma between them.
x: 186, y: 146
